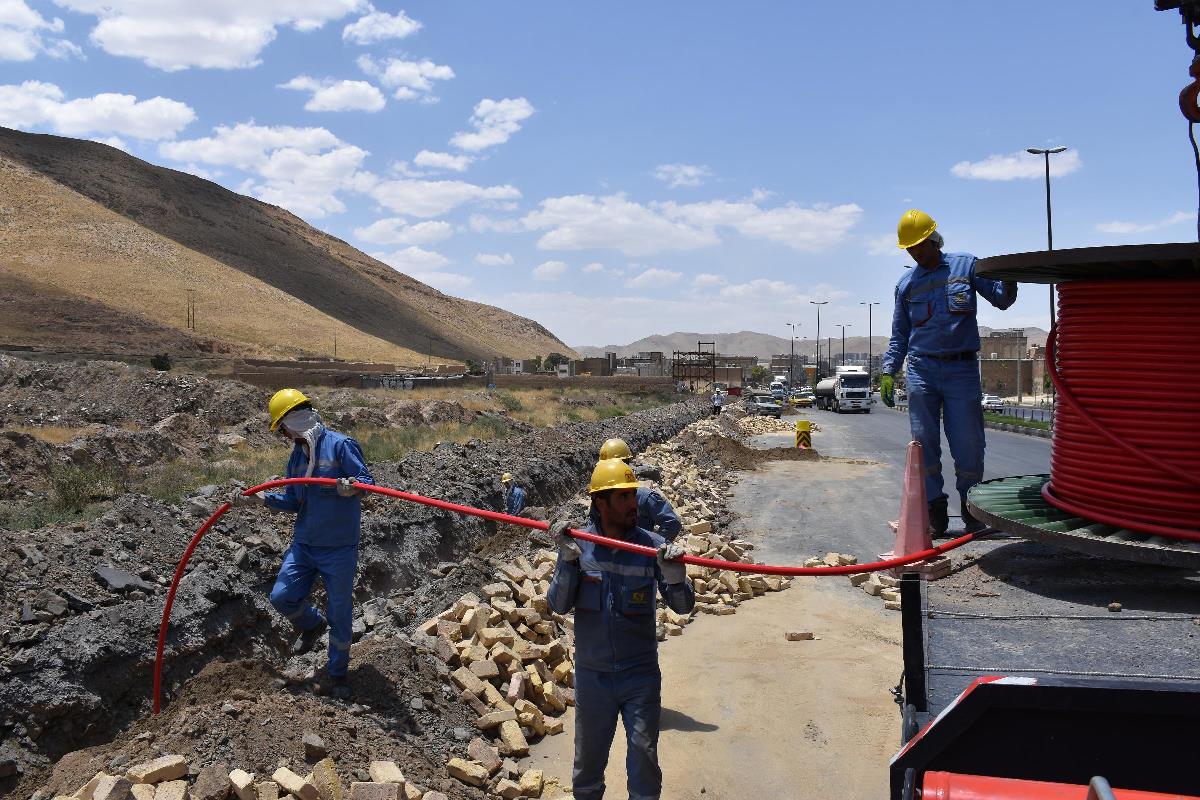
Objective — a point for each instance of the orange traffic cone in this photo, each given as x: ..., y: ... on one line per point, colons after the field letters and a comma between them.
x: 912, y: 529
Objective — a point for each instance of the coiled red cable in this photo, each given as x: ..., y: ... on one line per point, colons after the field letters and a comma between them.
x: 1123, y: 357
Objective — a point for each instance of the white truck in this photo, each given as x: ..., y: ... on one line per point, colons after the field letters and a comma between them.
x: 847, y: 390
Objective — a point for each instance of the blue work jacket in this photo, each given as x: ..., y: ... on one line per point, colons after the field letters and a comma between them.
x: 323, y: 519
x: 516, y: 500
x: 614, y: 594
x: 935, y: 309
x: 654, y: 509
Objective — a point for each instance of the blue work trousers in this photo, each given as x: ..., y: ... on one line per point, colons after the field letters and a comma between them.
x: 336, y: 566
x: 599, y: 697
x: 947, y: 390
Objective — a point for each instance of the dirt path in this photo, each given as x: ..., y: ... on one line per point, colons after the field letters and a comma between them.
x: 748, y: 714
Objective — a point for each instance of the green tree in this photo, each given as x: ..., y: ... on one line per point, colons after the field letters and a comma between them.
x: 537, y: 363
x: 759, y: 374
x: 161, y: 362
x: 554, y: 359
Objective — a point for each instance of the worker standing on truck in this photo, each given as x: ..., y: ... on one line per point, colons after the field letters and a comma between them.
x: 613, y: 593
x: 326, y: 532
x: 933, y: 323
x: 655, y: 512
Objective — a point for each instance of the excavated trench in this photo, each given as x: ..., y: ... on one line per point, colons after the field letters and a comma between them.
x: 83, y: 680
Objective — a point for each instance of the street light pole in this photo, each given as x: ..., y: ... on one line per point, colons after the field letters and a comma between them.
x: 818, y: 304
x: 792, y: 356
x: 1046, y: 153
x: 870, y: 350
x: 843, y: 326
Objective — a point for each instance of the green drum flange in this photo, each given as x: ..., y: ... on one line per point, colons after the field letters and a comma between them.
x: 1015, y: 505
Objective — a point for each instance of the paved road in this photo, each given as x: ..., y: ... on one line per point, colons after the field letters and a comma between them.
x: 811, y: 508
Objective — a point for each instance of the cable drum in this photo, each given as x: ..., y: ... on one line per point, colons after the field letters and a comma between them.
x: 1124, y: 356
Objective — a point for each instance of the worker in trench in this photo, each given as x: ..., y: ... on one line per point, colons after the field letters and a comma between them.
x: 933, y: 324
x: 614, y: 594
x: 514, y: 495
x: 655, y: 512
x: 326, y: 532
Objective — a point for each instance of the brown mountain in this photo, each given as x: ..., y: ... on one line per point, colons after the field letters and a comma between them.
x: 99, y: 252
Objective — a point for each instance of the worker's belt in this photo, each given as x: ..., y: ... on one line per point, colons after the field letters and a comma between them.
x: 966, y: 355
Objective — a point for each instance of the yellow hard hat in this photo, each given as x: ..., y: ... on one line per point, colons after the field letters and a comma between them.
x: 506, y: 477
x: 615, y: 448
x: 282, y: 402
x: 612, y: 473
x: 914, y: 228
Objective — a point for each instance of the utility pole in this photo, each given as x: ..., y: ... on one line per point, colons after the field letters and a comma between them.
x: 191, y: 309
x: 818, y: 304
x: 870, y: 349
x: 792, y: 356
x: 335, y: 345
x: 843, y: 326
x: 1045, y: 153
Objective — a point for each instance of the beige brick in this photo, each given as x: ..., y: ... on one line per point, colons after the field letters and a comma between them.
x: 512, y: 572
x: 890, y: 595
x: 892, y: 605
x: 243, y: 784
x: 493, y: 590
x: 142, y: 791
x: 449, y: 629
x: 112, y: 787
x: 294, y: 784
x: 485, y: 669
x: 492, y: 636
x: 412, y: 792
x: 363, y: 790
x: 484, y: 754
x: 386, y: 772
x: 531, y: 783
x: 699, y: 527
x: 512, y: 740
x: 489, y: 721
x: 872, y: 588
x: 325, y: 778
x: 774, y: 583
x: 859, y: 578
x: 516, y: 687
x: 266, y: 790
x: 88, y: 789
x: 554, y: 726
x: 435, y: 796
x: 508, y: 789
x: 467, y: 680
x: 167, y: 768
x: 798, y: 636
x: 467, y: 771
x: 171, y: 790
x: 429, y: 627
x: 564, y: 673
x: 886, y: 580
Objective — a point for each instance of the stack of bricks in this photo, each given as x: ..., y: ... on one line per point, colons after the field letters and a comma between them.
x: 719, y: 592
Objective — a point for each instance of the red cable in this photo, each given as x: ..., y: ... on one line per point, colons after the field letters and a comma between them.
x: 1126, y: 435
x: 496, y: 516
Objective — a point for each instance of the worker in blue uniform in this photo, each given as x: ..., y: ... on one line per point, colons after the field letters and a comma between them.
x: 933, y: 324
x: 326, y: 532
x: 655, y: 512
x: 614, y: 593
x: 514, y: 496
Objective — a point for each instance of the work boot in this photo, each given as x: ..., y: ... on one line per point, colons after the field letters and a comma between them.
x: 309, y: 639
x: 339, y: 687
x: 970, y: 524
x: 939, y: 518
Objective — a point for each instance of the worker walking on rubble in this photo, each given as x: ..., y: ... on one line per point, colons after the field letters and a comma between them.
x: 613, y: 593
x: 514, y: 496
x: 655, y: 512
x: 933, y: 323
x: 717, y: 401
x: 326, y: 532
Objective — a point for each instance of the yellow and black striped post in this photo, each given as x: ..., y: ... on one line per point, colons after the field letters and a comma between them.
x: 804, y: 434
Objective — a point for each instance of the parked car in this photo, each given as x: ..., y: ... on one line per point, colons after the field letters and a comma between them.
x: 766, y: 406
x: 993, y: 404
x: 802, y: 400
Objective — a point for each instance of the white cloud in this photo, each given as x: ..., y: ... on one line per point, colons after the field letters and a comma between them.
x: 112, y: 141
x: 36, y: 104
x: 334, y: 95
x: 300, y: 169
x: 549, y: 271
x: 494, y: 259
x: 178, y: 34
x: 394, y: 230
x: 24, y: 34
x: 758, y: 289
x: 481, y: 223
x: 376, y: 26
x: 706, y: 279
x: 882, y: 245
x: 425, y: 199
x: 411, y: 80
x: 677, y: 175
x: 495, y: 122
x: 432, y: 160
x: 595, y: 266
x: 1117, y: 227
x: 1015, y: 166
x: 653, y: 278
x: 581, y: 222
x: 413, y: 258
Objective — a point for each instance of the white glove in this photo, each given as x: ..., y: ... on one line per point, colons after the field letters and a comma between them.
x: 673, y: 571
x: 345, y: 488
x: 239, y: 500
x: 568, y: 548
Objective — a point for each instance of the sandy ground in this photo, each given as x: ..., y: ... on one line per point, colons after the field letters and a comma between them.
x: 748, y: 714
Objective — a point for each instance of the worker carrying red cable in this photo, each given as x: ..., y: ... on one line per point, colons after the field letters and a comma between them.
x: 933, y: 323
x: 613, y: 593
x: 326, y: 532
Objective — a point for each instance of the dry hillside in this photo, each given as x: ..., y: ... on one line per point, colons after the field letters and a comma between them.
x: 98, y: 250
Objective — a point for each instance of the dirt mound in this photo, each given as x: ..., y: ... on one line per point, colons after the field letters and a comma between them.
x: 25, y: 463
x: 721, y: 440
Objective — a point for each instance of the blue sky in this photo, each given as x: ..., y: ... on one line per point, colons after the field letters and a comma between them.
x: 620, y: 169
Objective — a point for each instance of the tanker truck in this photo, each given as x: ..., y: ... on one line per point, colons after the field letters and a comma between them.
x: 847, y: 390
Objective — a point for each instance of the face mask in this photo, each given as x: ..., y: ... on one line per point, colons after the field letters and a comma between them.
x: 305, y: 424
